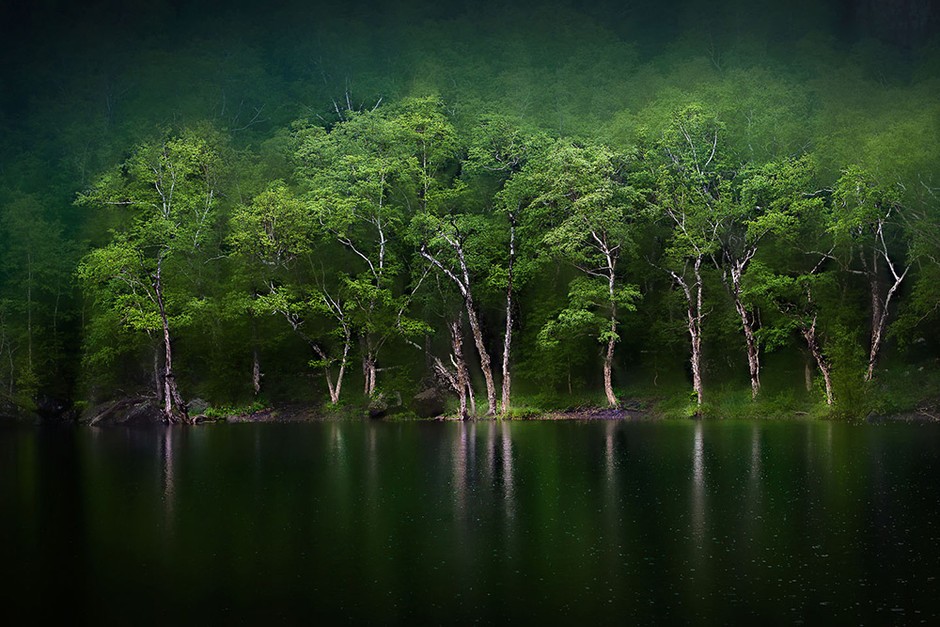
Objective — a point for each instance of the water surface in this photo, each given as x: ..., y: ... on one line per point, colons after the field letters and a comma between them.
x: 665, y: 523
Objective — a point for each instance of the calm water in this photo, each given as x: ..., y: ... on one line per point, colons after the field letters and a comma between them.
x: 665, y: 523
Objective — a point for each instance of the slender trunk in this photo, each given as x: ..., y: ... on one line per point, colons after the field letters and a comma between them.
x: 29, y: 311
x: 462, y: 379
x: 485, y: 365
x: 748, y: 319
x: 174, y: 409
x: 458, y: 378
x: 608, y: 366
x: 612, y: 340
x: 157, y: 375
x: 369, y: 369
x: 879, y: 320
x: 255, y: 372
x: 471, y: 398
x: 255, y: 358
x: 693, y: 299
x: 808, y: 372
x: 335, y: 387
x: 878, y: 315
x: 750, y: 338
x: 753, y: 359
x: 507, y: 338
x: 371, y: 373
x: 463, y: 284
x: 695, y: 331
x: 812, y: 342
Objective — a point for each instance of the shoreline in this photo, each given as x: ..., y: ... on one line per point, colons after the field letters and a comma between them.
x: 143, y: 411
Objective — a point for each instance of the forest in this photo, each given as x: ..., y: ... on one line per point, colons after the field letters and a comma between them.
x: 479, y: 209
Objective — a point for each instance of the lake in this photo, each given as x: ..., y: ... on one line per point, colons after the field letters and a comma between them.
x: 573, y: 522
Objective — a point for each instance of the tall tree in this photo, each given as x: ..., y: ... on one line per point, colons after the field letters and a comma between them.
x: 870, y: 228
x: 582, y: 200
x: 278, y: 235
x: 167, y: 193
x: 441, y: 227
x: 768, y: 200
x: 353, y: 175
x: 36, y: 262
x: 692, y: 184
x: 498, y: 149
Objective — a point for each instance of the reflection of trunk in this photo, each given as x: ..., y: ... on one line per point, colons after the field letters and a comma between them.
x: 812, y: 342
x: 507, y: 339
x: 174, y: 409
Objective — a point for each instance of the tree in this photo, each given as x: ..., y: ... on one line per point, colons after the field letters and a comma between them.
x: 353, y: 175
x: 767, y: 201
x: 440, y: 227
x: 870, y: 230
x: 35, y: 267
x: 582, y: 201
x: 692, y: 186
x: 498, y: 150
x: 278, y: 234
x: 167, y: 193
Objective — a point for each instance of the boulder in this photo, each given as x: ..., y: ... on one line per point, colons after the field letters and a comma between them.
x: 129, y: 411
x: 429, y: 402
x: 383, y: 403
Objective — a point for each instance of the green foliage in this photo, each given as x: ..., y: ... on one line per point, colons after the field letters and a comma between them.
x: 776, y: 144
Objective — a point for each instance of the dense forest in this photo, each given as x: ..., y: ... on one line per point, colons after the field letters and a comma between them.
x: 724, y: 209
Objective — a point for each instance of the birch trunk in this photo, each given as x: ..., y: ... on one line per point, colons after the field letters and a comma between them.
x: 608, y: 367
x: 693, y: 296
x: 750, y: 338
x: 174, y: 409
x: 611, y: 342
x: 463, y: 284
x: 748, y: 322
x: 812, y: 342
x: 485, y: 364
x: 458, y: 378
x: 369, y: 373
x: 463, y: 379
x: 255, y: 372
x: 157, y: 374
x: 879, y: 318
x: 507, y: 338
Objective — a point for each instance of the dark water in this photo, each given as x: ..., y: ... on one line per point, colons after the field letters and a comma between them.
x: 602, y: 522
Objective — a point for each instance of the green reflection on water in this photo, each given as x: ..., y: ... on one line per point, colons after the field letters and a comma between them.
x: 686, y: 522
